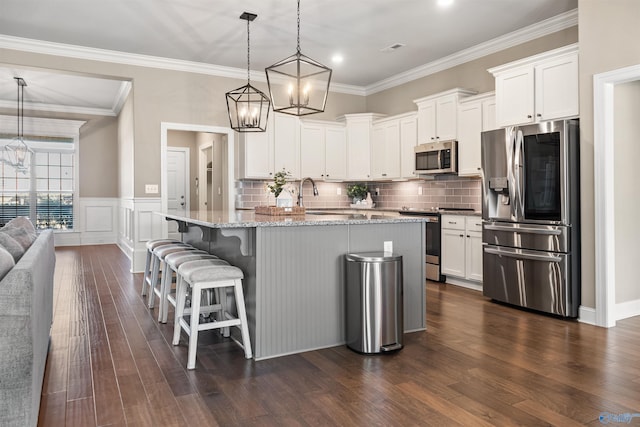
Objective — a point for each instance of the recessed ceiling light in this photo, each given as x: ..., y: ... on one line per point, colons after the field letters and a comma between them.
x: 337, y: 58
x: 445, y: 3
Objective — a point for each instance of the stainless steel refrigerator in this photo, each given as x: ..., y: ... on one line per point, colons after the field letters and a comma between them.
x: 531, y: 216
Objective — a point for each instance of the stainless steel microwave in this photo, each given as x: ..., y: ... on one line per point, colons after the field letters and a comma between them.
x: 436, y: 157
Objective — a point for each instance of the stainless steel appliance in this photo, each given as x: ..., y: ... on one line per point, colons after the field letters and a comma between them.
x: 531, y: 221
x: 436, y: 157
x: 433, y: 240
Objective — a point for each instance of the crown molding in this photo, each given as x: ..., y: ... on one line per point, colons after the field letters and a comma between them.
x: 540, y: 29
x: 118, y: 103
x: 55, y: 108
x: 104, y: 55
x: 548, y: 26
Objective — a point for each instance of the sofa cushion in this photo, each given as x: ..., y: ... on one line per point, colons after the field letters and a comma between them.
x: 6, y: 262
x: 12, y: 246
x: 20, y: 235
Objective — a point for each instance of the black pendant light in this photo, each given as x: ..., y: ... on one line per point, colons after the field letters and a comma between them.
x: 248, y: 107
x: 298, y: 85
x: 18, y: 152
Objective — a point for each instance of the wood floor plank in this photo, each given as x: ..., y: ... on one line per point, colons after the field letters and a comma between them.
x: 479, y: 363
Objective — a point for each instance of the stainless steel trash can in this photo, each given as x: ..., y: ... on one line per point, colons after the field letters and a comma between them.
x: 374, y: 302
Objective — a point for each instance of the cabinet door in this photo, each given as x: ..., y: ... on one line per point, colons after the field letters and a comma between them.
x: 390, y: 152
x: 453, y: 252
x: 358, y: 150
x: 514, y: 97
x: 287, y: 144
x: 446, y: 113
x: 312, y: 150
x: 335, y: 153
x: 377, y: 151
x: 408, y: 141
x: 256, y: 155
x: 469, y: 129
x: 427, y: 122
x: 556, y: 91
x: 489, y: 114
x: 474, y: 255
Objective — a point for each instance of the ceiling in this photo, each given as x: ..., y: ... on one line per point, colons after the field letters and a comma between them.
x: 210, y: 32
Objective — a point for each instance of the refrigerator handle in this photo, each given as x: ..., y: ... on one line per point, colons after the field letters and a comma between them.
x: 519, y: 173
x: 510, y: 134
x: 530, y: 255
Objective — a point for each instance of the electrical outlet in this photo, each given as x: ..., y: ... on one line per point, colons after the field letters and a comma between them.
x: 388, y: 247
x: 377, y: 191
x: 339, y: 191
x: 419, y: 191
x: 151, y: 188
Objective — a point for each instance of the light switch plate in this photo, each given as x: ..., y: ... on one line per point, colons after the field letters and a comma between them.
x: 419, y: 191
x: 151, y: 188
x: 388, y: 247
x: 339, y: 191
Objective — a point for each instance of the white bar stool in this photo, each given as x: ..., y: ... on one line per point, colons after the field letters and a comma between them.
x: 151, y: 245
x: 158, y: 264
x: 171, y: 263
x: 198, y: 276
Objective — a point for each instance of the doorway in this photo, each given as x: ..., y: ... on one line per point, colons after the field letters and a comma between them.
x: 225, y: 146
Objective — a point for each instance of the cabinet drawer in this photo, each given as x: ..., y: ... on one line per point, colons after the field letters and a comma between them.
x: 474, y: 223
x: 453, y: 222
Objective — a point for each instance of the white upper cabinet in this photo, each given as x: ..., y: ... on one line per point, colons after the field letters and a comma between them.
x: 539, y: 88
x: 255, y: 153
x: 286, y: 131
x: 323, y: 150
x: 408, y: 141
x: 359, y: 144
x: 437, y: 115
x: 475, y: 115
x: 385, y: 150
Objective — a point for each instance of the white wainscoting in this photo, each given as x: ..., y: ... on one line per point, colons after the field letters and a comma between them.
x: 138, y: 224
x: 96, y: 223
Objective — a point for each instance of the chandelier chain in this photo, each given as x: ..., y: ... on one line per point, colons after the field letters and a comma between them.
x: 248, y: 55
x: 298, y: 26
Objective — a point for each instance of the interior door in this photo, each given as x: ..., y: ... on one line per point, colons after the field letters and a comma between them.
x: 177, y: 191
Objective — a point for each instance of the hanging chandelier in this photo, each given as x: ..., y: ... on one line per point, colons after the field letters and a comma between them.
x: 18, y: 152
x: 247, y: 106
x: 298, y: 85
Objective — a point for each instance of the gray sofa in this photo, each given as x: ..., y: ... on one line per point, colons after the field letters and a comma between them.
x: 26, y: 311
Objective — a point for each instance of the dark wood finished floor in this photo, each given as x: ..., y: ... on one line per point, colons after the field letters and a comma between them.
x: 478, y: 364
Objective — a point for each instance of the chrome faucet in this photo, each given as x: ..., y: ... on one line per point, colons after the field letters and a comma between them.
x: 315, y: 189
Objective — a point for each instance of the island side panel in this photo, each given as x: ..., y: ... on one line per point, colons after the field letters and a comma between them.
x: 238, y: 250
x: 409, y: 241
x: 299, y: 288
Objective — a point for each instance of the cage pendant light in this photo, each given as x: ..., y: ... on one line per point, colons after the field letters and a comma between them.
x: 298, y: 85
x: 17, y: 152
x: 248, y: 107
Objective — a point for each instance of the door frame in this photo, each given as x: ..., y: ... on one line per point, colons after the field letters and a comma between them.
x: 604, y: 189
x: 165, y: 127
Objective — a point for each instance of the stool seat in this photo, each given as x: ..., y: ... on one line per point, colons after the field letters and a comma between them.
x: 151, y: 245
x: 209, y: 274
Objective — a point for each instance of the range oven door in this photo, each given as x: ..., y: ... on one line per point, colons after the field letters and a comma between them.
x: 532, y: 279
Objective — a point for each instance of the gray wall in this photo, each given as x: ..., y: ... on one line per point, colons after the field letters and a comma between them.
x: 98, y: 170
x: 608, y: 33
x: 126, y: 145
x: 627, y: 192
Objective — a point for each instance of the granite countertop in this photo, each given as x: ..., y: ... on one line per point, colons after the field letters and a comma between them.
x: 248, y: 218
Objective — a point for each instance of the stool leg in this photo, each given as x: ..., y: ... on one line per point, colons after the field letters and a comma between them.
x: 224, y: 308
x: 147, y: 272
x: 181, y: 299
x: 194, y: 324
x: 153, y: 280
x: 242, y: 315
x: 165, y: 284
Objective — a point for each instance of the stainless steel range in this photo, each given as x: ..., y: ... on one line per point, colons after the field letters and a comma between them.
x: 433, y: 246
x: 531, y: 218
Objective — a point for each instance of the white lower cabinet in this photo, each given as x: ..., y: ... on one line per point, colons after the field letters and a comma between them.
x: 461, y: 254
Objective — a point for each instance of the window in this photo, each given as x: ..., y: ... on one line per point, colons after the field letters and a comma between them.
x: 46, y: 191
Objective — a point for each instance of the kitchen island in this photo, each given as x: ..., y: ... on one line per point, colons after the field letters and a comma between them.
x: 295, y: 270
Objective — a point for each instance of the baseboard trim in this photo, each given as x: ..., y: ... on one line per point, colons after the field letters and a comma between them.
x: 464, y: 283
x: 587, y: 315
x: 625, y: 310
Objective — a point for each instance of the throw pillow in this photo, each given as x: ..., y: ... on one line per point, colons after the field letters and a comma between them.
x: 6, y: 262
x: 22, y: 222
x: 20, y: 235
x: 14, y: 248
